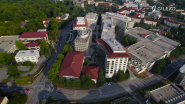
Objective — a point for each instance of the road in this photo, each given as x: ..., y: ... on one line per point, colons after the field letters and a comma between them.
x: 40, y: 89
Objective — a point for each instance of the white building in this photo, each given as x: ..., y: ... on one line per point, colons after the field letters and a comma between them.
x: 80, y: 23
x: 171, y: 23
x: 92, y: 19
x: 153, y: 22
x: 149, y: 48
x: 122, y: 21
x: 27, y: 55
x: 7, y: 43
x: 155, y: 14
x: 111, y: 55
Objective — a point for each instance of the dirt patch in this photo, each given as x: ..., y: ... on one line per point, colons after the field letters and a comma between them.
x: 141, y: 74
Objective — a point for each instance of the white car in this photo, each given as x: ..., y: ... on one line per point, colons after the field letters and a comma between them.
x: 108, y: 84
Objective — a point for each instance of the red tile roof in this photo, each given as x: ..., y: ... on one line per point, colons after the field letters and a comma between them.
x: 110, y: 52
x: 46, y: 21
x: 106, y: 4
x: 75, y: 23
x: 144, y: 35
x: 167, y: 19
x: 32, y: 44
x: 136, y: 16
x: 1, y: 100
x: 72, y: 64
x: 149, y: 19
x: 162, y: 32
x: 33, y: 34
x: 90, y: 70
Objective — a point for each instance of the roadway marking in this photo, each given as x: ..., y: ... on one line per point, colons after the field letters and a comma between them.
x: 75, y: 93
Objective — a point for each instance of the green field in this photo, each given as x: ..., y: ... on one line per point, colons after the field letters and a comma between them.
x: 22, y: 80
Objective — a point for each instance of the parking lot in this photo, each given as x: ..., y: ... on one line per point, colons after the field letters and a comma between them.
x: 3, y: 72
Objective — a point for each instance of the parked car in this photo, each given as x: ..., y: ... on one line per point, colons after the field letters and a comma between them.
x: 140, y: 99
x: 27, y: 89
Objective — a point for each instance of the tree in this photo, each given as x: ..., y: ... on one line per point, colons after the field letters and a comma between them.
x: 6, y: 58
x: 52, y: 74
x: 147, y: 95
x: 162, y: 102
x: 61, y: 80
x: 101, y: 77
x: 20, y: 45
x: 54, y: 26
x: 76, y: 83
x: 54, y: 34
x: 86, y: 81
x: 44, y: 47
x: 158, y: 24
x: 55, y: 81
x: 120, y: 76
x: 40, y: 25
x: 13, y: 70
x: 68, y: 83
x: 67, y: 47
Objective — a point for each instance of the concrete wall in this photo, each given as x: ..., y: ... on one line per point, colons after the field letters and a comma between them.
x: 151, y: 22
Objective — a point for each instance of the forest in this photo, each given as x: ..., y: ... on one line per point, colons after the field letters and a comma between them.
x: 15, y: 12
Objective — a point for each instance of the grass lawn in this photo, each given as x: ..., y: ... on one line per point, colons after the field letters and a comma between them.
x: 22, y: 80
x: 139, y: 76
x: 1, y: 67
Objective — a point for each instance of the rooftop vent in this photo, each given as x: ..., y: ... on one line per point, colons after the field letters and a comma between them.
x: 73, y: 62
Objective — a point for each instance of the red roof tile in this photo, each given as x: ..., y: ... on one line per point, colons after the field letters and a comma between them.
x: 149, y: 19
x: 110, y: 52
x: 136, y: 16
x: 144, y: 35
x: 1, y: 100
x: 167, y: 19
x: 106, y: 4
x: 33, y: 34
x: 90, y: 70
x: 32, y: 44
x: 72, y: 64
x: 75, y: 23
x: 163, y: 32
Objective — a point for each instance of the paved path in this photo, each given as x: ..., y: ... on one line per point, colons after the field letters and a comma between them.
x: 41, y: 60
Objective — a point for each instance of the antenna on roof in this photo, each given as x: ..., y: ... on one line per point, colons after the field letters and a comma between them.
x: 73, y: 62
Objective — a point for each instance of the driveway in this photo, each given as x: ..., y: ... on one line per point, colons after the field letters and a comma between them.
x: 3, y: 72
x: 41, y: 60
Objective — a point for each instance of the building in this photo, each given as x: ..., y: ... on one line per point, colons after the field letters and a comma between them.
x: 171, y: 23
x: 92, y: 71
x: 180, y: 79
x: 80, y: 23
x: 33, y: 45
x: 27, y: 37
x: 27, y: 55
x: 153, y: 22
x: 92, y: 19
x: 41, y: 30
x: 78, y: 3
x: 122, y: 21
x: 149, y: 48
x: 45, y: 22
x: 7, y: 43
x: 107, y: 4
x: 4, y: 100
x: 83, y: 40
x: 170, y: 93
x: 65, y: 16
x: 72, y: 65
x: 155, y: 14
x: 111, y: 55
x: 136, y: 18
x: 141, y: 12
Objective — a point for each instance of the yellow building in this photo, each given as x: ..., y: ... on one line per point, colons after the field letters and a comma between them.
x: 4, y: 100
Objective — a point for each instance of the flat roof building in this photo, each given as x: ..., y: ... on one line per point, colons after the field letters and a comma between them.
x: 27, y: 55
x: 80, y: 23
x: 149, y: 48
x: 169, y: 93
x: 111, y: 55
x: 7, y: 43
x: 92, y: 19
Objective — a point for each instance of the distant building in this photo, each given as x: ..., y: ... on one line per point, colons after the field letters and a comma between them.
x: 92, y: 19
x: 72, y: 66
x: 171, y: 23
x: 149, y: 48
x: 170, y: 93
x: 4, y: 100
x: 141, y: 12
x: 136, y: 18
x: 122, y: 21
x: 27, y: 55
x: 153, y: 22
x: 33, y: 45
x: 41, y: 30
x: 111, y: 55
x: 180, y: 79
x: 80, y: 23
x: 155, y: 14
x: 7, y: 43
x: 45, y: 22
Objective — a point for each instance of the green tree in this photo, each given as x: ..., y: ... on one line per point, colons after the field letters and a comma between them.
x: 86, y: 82
x: 68, y: 83
x: 6, y: 58
x: 62, y: 80
x: 120, y: 76
x: 101, y: 77
x: 12, y: 69
x: 162, y: 102
x: 40, y: 25
x: 54, y: 26
x: 44, y: 47
x: 54, y: 34
x: 147, y: 95
x: 20, y: 45
x: 158, y: 24
x: 55, y: 81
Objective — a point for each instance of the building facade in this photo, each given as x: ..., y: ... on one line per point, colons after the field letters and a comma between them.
x: 27, y: 55
x: 92, y: 19
x: 111, y: 55
x: 4, y: 100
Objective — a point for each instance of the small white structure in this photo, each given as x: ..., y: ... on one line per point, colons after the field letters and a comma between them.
x: 80, y: 23
x: 27, y: 55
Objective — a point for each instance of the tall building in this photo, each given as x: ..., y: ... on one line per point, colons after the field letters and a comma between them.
x: 83, y: 40
x: 180, y: 79
x: 92, y: 19
x: 111, y: 55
